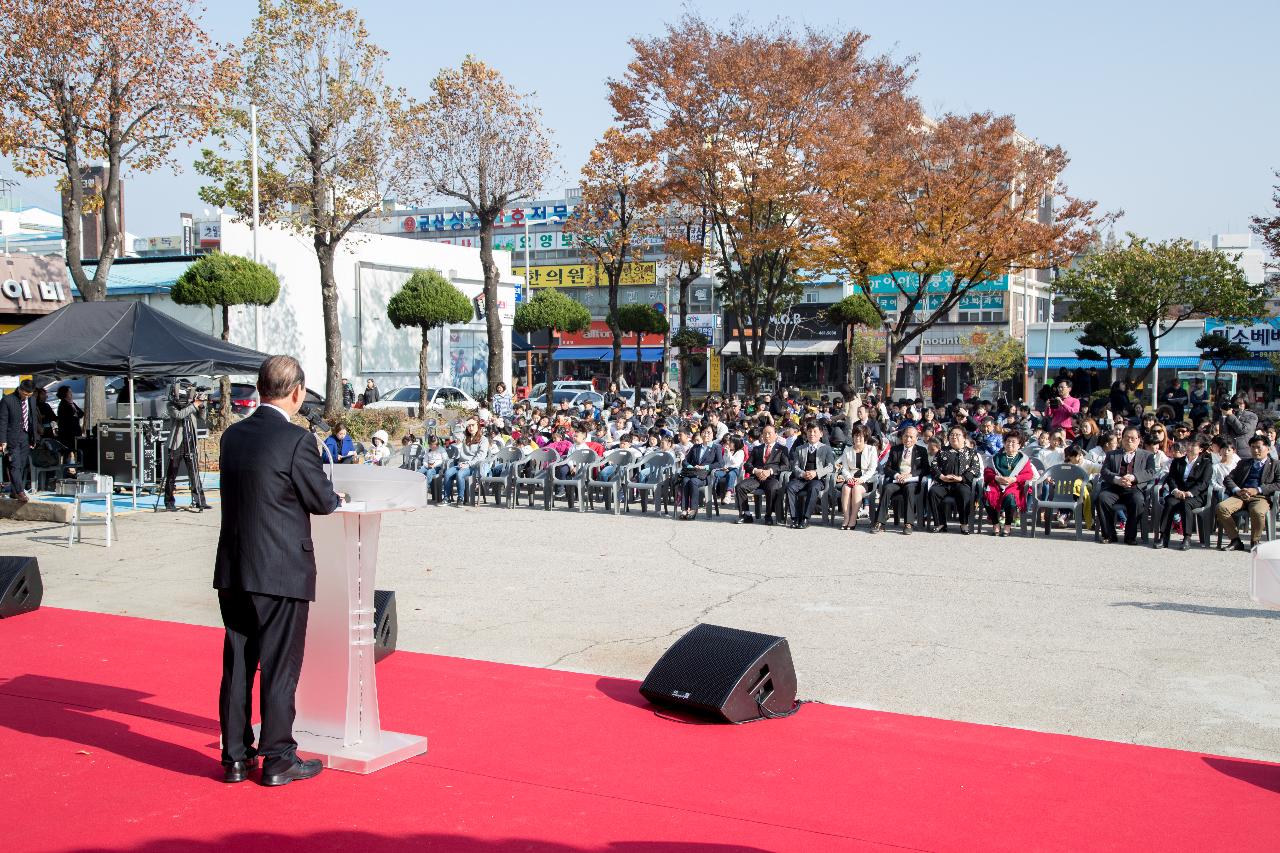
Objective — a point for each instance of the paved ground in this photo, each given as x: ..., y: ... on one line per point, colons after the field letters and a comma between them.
x: 1125, y: 644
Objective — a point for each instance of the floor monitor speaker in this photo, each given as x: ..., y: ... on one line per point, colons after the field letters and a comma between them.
x: 384, y: 623
x: 733, y: 675
x: 20, y: 586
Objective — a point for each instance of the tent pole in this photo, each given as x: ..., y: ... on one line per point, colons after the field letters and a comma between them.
x: 133, y: 440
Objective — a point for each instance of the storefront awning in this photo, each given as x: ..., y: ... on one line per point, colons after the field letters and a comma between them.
x: 730, y: 349
x: 647, y: 354
x: 583, y: 354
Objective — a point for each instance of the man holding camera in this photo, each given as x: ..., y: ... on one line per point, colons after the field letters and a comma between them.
x: 184, y: 404
x: 1239, y: 424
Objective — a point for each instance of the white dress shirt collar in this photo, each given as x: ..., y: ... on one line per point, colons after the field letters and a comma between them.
x: 282, y: 412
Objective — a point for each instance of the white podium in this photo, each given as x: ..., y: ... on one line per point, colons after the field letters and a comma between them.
x: 337, y: 698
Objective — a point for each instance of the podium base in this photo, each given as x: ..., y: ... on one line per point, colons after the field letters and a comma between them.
x: 391, y: 748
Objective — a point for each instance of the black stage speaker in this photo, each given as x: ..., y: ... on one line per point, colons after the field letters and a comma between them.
x: 724, y: 672
x: 20, y: 585
x: 384, y: 623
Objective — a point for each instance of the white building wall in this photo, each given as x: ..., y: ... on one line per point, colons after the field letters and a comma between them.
x: 369, y: 268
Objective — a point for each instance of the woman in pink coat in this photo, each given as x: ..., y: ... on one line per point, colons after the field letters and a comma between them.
x: 1063, y: 408
x: 1006, y: 479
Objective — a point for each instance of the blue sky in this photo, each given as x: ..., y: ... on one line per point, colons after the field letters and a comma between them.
x: 1163, y: 107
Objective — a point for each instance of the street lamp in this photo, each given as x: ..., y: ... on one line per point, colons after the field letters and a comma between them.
x: 528, y: 291
x: 922, y: 293
x: 888, y: 359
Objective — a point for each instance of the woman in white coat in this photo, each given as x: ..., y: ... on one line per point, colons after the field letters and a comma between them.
x: 855, y: 469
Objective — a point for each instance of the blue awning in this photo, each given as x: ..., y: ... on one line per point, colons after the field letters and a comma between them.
x: 647, y: 354
x: 582, y: 354
x: 137, y: 278
x: 1167, y: 362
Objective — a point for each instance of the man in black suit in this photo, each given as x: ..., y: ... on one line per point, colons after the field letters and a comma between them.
x: 19, y: 433
x: 811, y: 462
x: 1249, y: 486
x: 904, y: 469
x: 272, y: 483
x: 764, y: 468
x: 1125, y: 473
x: 1190, y: 474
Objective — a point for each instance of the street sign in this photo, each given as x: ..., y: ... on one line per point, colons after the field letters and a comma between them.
x: 659, y: 307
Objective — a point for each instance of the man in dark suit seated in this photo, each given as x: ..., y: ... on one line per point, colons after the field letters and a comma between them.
x: 811, y: 462
x: 904, y: 468
x: 1125, y: 473
x: 764, y: 466
x: 272, y: 483
x: 1190, y: 474
x: 1249, y: 486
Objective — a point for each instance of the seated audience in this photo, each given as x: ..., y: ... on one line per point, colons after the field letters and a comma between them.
x: 764, y: 467
x: 1249, y: 486
x: 1006, y: 478
x: 811, y: 462
x: 855, y: 472
x: 703, y: 457
x: 1188, y: 482
x: 954, y: 469
x: 1125, y: 473
x: 904, y: 469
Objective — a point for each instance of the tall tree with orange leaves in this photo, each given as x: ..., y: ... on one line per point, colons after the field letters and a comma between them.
x: 743, y: 115
x: 617, y: 213
x: 114, y: 82
x: 952, y: 203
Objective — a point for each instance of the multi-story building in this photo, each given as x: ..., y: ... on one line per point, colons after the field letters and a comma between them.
x: 1051, y: 346
x: 536, y: 236
x: 807, y: 345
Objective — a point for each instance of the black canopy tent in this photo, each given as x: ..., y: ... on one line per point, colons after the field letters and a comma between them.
x: 115, y: 338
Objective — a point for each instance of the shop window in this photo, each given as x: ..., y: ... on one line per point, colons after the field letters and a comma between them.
x: 981, y: 308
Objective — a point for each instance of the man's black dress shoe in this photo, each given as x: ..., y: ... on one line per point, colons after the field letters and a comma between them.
x: 299, y: 770
x: 769, y: 522
x: 238, y: 771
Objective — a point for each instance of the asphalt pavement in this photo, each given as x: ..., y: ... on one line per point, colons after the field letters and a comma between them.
x: 1121, y: 643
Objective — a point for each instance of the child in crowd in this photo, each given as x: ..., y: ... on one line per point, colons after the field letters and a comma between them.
x: 433, y: 466
x: 379, y: 452
x: 989, y: 439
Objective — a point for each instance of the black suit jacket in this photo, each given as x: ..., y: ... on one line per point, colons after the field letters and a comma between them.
x: 919, y: 461
x: 11, y: 420
x: 776, y: 460
x: 710, y: 455
x: 1144, y: 468
x: 1194, y: 479
x: 272, y: 483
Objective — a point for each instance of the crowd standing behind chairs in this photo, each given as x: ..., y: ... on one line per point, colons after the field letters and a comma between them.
x: 1103, y: 463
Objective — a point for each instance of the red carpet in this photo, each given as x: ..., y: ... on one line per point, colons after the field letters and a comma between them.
x: 108, y: 741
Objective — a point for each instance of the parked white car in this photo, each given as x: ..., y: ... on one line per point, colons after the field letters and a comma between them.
x: 410, y: 397
x: 540, y: 389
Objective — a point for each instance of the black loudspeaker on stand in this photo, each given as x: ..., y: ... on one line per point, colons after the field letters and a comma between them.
x: 736, y: 676
x: 20, y: 586
x: 385, y: 626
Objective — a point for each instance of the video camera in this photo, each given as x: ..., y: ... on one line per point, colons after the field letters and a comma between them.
x: 183, y: 393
